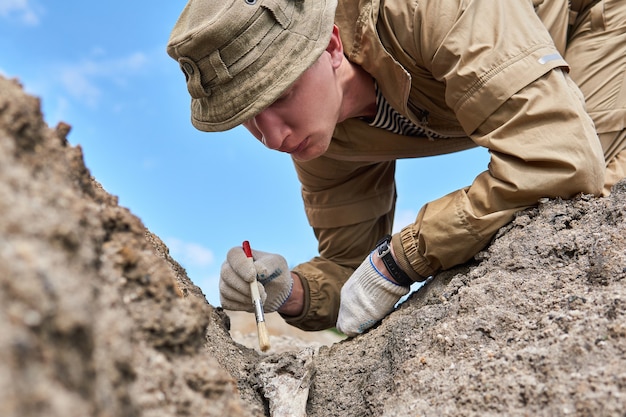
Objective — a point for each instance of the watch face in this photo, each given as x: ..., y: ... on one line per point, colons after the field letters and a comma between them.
x: 383, y: 249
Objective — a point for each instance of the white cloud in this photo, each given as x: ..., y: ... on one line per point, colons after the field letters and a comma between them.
x: 83, y: 81
x: 79, y: 84
x: 60, y: 109
x: 190, y: 254
x: 26, y: 11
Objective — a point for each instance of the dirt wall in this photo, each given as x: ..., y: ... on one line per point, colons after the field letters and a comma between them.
x: 97, y: 319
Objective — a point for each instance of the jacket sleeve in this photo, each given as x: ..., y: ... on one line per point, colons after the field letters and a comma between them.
x: 350, y: 206
x: 542, y: 144
x: 507, y: 85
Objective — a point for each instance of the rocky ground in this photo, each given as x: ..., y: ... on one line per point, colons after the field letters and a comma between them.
x: 96, y: 318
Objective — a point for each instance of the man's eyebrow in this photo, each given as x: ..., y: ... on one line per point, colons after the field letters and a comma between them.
x: 287, y: 91
x: 284, y: 94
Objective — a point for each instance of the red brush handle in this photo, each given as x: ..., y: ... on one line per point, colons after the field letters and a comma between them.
x: 246, y: 248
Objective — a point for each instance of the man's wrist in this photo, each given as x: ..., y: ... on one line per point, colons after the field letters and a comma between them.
x: 295, y: 302
x: 385, y: 255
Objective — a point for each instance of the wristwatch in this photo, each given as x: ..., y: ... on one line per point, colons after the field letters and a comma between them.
x: 384, y: 252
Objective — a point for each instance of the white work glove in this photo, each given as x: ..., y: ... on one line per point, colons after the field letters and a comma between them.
x: 274, y: 280
x: 366, y: 298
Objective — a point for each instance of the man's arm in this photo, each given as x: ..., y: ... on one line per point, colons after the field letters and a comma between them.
x: 542, y: 144
x: 295, y: 303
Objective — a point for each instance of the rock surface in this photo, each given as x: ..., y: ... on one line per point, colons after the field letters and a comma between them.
x: 96, y: 318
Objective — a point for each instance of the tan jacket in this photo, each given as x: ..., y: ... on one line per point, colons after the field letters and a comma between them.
x: 486, y: 73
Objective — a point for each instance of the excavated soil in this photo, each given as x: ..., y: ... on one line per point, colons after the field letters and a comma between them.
x: 97, y: 319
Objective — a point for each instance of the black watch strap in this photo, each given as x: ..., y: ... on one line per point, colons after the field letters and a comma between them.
x: 384, y: 252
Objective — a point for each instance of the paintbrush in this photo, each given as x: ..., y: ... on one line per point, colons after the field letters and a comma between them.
x: 264, y: 338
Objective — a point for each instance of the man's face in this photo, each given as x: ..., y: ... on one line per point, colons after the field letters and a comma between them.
x: 301, y: 122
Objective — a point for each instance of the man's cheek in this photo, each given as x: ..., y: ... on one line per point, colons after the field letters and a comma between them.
x: 249, y: 125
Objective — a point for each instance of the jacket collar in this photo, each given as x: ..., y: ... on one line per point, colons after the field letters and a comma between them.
x: 362, y: 46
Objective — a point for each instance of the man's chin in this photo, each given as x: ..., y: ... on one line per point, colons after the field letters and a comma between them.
x: 315, y: 149
x: 303, y: 158
x: 307, y: 154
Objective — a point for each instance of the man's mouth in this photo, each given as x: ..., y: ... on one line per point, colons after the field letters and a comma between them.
x: 299, y: 148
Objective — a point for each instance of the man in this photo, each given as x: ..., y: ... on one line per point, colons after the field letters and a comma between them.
x: 348, y: 88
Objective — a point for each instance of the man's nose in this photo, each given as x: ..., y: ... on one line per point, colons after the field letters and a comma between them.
x: 273, y: 130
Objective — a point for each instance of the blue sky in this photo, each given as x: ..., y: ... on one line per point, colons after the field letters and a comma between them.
x: 102, y: 68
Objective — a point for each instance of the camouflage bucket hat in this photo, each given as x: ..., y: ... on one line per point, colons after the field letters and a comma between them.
x: 239, y: 56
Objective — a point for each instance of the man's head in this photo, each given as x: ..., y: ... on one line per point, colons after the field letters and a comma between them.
x: 302, y: 120
x: 239, y: 56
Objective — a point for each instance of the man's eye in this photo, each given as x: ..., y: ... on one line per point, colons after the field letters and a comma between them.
x: 285, y: 95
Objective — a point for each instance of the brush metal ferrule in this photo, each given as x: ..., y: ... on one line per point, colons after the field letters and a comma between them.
x: 258, y: 311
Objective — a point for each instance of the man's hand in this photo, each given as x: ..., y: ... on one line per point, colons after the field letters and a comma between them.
x: 366, y: 298
x: 275, y: 281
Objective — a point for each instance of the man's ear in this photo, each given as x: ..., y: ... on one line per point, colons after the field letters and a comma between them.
x: 335, y: 47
